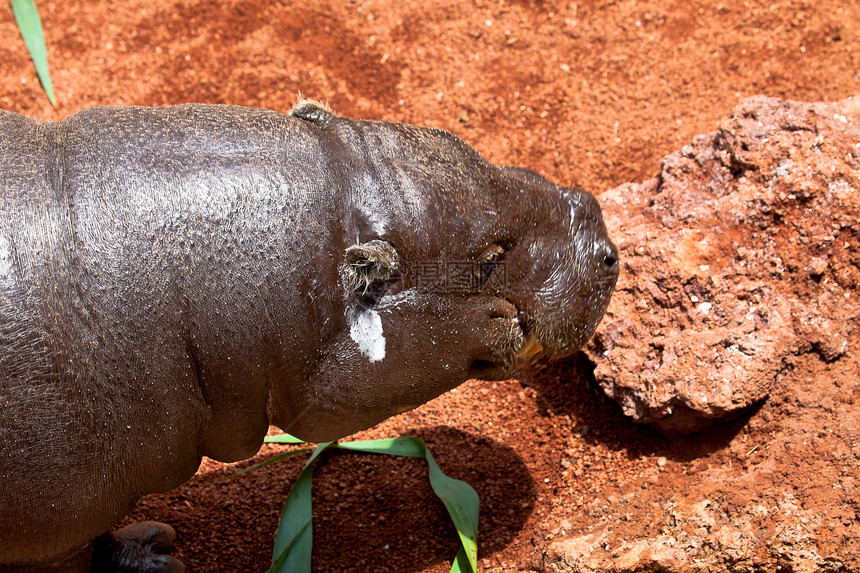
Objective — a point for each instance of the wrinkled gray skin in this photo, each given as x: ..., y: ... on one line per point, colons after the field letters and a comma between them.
x: 173, y: 280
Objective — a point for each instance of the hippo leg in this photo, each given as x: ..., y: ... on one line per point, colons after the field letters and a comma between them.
x: 141, y: 547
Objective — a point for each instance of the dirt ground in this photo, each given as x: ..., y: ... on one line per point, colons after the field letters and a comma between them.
x: 591, y: 93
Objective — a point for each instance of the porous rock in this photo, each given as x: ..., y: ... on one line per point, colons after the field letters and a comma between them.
x: 740, y: 256
x: 739, y: 283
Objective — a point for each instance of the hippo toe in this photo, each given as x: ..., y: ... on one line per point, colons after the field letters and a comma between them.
x: 141, y: 547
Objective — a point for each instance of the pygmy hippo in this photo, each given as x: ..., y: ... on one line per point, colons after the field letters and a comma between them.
x: 174, y: 280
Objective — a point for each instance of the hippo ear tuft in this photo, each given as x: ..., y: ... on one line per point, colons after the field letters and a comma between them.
x: 367, y: 267
x: 315, y: 112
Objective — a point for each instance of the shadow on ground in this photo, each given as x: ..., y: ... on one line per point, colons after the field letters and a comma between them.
x: 384, y: 509
x: 568, y: 387
x: 381, y: 507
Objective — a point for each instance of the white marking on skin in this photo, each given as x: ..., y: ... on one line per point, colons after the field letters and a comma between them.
x: 408, y: 296
x: 412, y: 198
x: 575, y: 203
x: 371, y: 203
x: 377, y: 222
x: 366, y: 331
x: 393, y: 199
x: 5, y: 258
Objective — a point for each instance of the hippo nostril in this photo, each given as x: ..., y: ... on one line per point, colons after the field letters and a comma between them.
x: 610, y: 260
x: 610, y: 255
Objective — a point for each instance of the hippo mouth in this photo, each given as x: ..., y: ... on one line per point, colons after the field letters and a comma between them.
x: 514, y: 345
x: 530, y: 347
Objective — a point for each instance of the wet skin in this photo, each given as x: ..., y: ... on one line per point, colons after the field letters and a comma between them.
x: 173, y: 280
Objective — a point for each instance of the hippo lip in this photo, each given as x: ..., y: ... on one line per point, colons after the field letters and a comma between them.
x: 530, y: 347
x: 520, y: 347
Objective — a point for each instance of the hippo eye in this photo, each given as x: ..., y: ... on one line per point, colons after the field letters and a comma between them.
x: 489, y: 270
x: 491, y: 254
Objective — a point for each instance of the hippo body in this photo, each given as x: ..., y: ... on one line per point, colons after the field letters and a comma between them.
x: 174, y: 280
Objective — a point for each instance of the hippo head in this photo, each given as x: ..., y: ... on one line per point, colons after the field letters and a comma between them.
x: 450, y: 268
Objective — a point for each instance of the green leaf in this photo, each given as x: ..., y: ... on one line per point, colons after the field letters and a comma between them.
x: 278, y: 564
x: 462, y: 503
x: 282, y: 439
x: 264, y: 463
x: 461, y: 563
x: 292, y: 552
x: 30, y: 26
x: 410, y: 447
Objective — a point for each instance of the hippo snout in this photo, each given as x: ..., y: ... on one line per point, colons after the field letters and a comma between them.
x: 590, y: 235
x: 593, y: 268
x: 574, y: 295
x: 591, y: 229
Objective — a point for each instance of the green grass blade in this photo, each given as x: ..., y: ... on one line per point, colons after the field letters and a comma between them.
x: 279, y: 439
x: 282, y: 439
x: 461, y: 563
x: 30, y: 26
x: 295, y: 534
x: 264, y: 463
x: 462, y: 503
x: 293, y: 541
x: 278, y: 564
x: 410, y: 447
x: 292, y: 551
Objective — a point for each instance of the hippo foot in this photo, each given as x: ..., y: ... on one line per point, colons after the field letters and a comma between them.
x: 141, y: 547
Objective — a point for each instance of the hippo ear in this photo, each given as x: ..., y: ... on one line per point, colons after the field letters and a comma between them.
x: 367, y: 267
x: 313, y: 111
